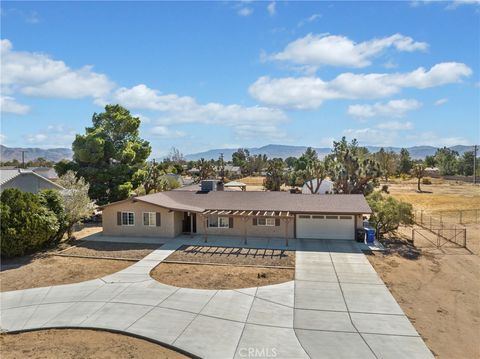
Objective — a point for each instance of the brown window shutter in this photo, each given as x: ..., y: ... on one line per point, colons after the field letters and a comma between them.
x: 230, y: 222
x: 277, y: 222
x: 158, y: 219
x: 254, y: 221
x: 119, y: 218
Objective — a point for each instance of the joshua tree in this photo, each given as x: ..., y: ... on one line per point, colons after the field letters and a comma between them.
x: 418, y: 171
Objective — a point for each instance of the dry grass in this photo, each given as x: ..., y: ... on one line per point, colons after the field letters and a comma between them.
x: 252, y: 180
x: 204, y: 276
x: 440, y: 195
x: 80, y: 344
x: 108, y: 249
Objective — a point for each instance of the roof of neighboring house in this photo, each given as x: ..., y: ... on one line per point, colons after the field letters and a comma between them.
x: 235, y: 184
x: 8, y: 175
x: 257, y: 201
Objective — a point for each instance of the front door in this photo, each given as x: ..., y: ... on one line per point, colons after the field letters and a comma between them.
x: 189, y: 222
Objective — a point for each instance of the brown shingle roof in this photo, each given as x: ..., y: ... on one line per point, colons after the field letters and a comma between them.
x: 258, y: 201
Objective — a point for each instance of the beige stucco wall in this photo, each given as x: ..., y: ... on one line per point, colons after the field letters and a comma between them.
x: 252, y: 231
x: 168, y: 227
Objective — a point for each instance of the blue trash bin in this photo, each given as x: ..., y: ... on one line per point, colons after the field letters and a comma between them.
x: 369, y: 235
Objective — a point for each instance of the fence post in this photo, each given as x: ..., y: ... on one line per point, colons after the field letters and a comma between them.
x: 438, y: 238
x: 441, y: 219
x: 465, y: 238
x: 413, y: 236
x: 461, y: 216
x: 421, y: 217
x: 430, y: 222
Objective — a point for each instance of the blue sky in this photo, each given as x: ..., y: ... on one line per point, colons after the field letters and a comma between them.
x: 207, y: 75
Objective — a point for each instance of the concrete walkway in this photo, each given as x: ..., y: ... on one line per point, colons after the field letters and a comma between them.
x: 336, y: 308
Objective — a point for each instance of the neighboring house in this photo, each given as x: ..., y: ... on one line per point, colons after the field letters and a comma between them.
x: 325, y: 187
x: 25, y: 180
x: 237, y: 213
x: 46, y: 172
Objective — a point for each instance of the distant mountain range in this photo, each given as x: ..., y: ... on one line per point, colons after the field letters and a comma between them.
x: 50, y: 154
x: 283, y: 151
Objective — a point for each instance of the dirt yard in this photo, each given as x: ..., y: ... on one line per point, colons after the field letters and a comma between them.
x: 225, y: 268
x: 440, y: 295
x: 46, y: 270
x: 233, y: 256
x: 204, y: 276
x: 80, y: 344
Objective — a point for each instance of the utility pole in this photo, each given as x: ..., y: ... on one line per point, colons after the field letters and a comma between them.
x: 475, y: 164
x: 23, y: 159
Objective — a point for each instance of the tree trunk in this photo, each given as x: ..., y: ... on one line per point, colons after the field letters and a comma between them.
x: 418, y: 185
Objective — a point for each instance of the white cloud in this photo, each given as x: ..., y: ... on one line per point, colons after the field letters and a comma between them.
x: 393, y: 108
x: 309, y: 19
x: 165, y: 132
x: 433, y: 139
x: 396, y: 125
x: 245, y: 11
x: 441, y: 101
x: 310, y: 92
x: 271, y: 8
x: 184, y: 109
x: 35, y: 74
x: 456, y: 3
x: 334, y: 50
x: 372, y: 136
x: 10, y: 105
x: 3, y: 138
x: 53, y: 136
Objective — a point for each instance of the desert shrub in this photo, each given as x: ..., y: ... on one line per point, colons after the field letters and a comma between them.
x: 404, y: 177
x: 53, y: 201
x: 426, y: 180
x: 388, y: 213
x: 385, y: 188
x: 26, y: 224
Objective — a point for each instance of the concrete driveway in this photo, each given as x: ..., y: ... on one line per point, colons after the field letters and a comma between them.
x: 337, y: 307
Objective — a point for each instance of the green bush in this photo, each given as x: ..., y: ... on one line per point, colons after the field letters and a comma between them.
x: 26, y: 224
x: 426, y: 180
x: 388, y: 213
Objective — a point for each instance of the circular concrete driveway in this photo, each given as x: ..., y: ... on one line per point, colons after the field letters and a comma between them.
x: 337, y: 307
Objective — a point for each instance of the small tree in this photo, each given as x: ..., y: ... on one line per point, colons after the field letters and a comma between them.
x: 405, y: 162
x: 314, y: 175
x: 387, y: 161
x: 275, y: 175
x: 388, y: 213
x: 76, y: 201
x: 53, y: 200
x: 418, y: 171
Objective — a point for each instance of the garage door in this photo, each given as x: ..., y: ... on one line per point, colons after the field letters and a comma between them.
x: 325, y: 226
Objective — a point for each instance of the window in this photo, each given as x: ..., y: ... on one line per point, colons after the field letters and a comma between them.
x: 331, y: 217
x: 218, y: 222
x: 270, y: 222
x: 318, y: 217
x: 149, y: 218
x: 128, y: 219
x: 304, y: 217
x: 345, y: 217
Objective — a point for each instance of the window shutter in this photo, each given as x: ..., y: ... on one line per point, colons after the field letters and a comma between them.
x: 119, y: 218
x: 158, y: 218
x: 230, y: 222
x: 254, y: 222
x: 277, y: 222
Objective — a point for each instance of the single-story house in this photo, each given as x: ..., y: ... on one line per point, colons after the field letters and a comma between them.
x: 47, y: 172
x: 237, y: 213
x: 326, y: 187
x: 26, y: 181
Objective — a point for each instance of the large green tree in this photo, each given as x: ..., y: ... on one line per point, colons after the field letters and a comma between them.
x: 465, y: 164
x: 351, y: 169
x: 109, y: 154
x: 405, y: 162
x: 387, y: 161
x: 447, y: 161
x: 275, y: 174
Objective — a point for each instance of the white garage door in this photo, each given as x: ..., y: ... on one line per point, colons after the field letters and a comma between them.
x: 325, y: 226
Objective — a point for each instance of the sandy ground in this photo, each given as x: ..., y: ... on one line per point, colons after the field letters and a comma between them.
x: 440, y: 195
x: 203, y: 276
x: 41, y: 271
x: 80, y: 344
x: 108, y: 249
x: 237, y: 256
x: 439, y: 292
